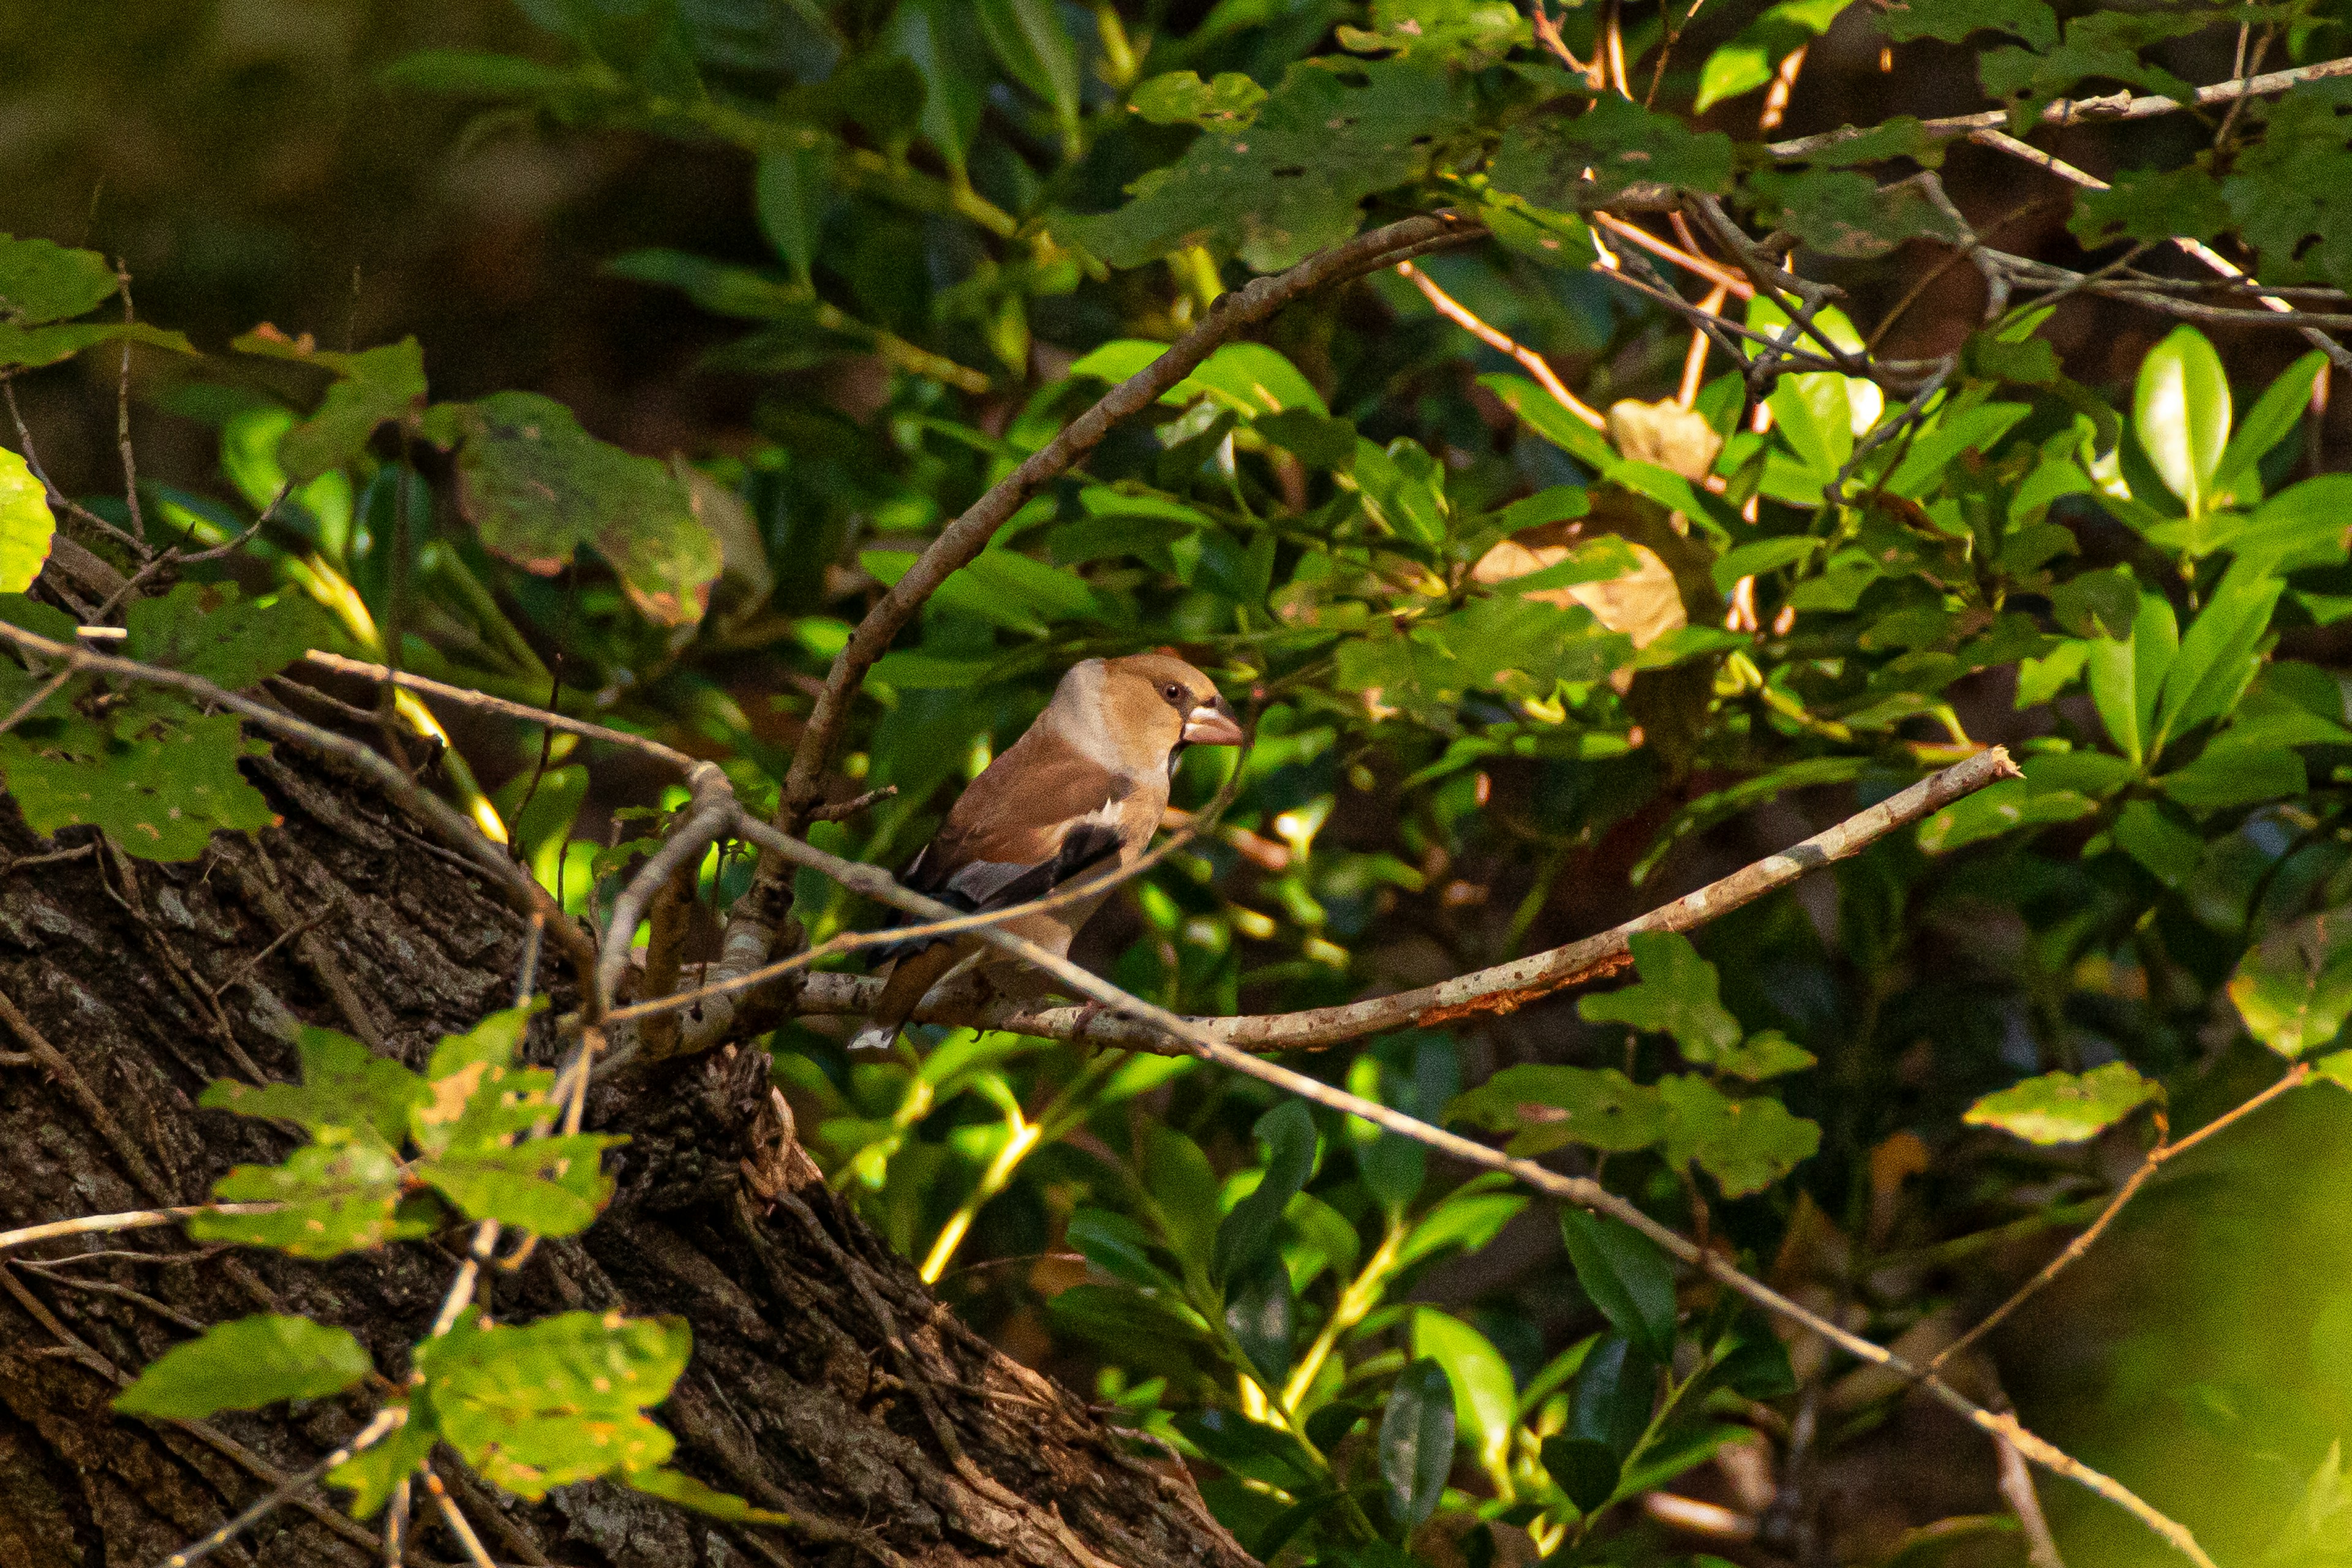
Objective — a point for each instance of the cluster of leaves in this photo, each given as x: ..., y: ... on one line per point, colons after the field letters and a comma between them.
x: 1505, y: 653
x: 392, y: 1153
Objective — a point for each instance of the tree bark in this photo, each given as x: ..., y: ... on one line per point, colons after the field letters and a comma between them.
x: 827, y: 1382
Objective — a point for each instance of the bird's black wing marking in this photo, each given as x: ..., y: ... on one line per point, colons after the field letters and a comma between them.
x: 986, y: 885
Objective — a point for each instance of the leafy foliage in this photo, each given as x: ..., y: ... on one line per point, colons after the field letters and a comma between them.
x: 1509, y: 649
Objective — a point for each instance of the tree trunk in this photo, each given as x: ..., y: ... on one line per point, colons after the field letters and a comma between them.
x: 827, y: 1382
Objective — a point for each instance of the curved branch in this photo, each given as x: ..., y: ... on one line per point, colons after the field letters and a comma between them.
x: 961, y: 541
x: 1505, y: 988
x: 1588, y: 1193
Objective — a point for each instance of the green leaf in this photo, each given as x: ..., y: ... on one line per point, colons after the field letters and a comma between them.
x: 371, y: 1475
x: 27, y: 524
x: 1745, y: 1144
x: 41, y: 280
x: 30, y: 348
x: 1846, y: 213
x: 2218, y: 655
x: 2097, y: 603
x: 1466, y: 1220
x: 538, y: 487
x: 1181, y: 97
x: 371, y: 386
x: 1486, y: 1402
x: 1615, y: 1391
x: 1954, y: 20
x: 1292, y: 183
x: 2165, y: 849
x: 1767, y: 1054
x: 1584, y: 1467
x: 1119, y: 1248
x: 1183, y: 1191
x: 789, y: 196
x: 555, y: 1401
x: 1548, y: 1106
x: 553, y: 1186
x: 344, y: 1086
x: 245, y: 1364
x: 1555, y: 424
x: 1028, y: 40
x: 205, y: 630
x: 2125, y: 676
x: 2061, y: 1107
x: 2181, y: 411
x: 1583, y: 160
x: 2225, y: 777
x: 2153, y: 205
x: 932, y: 34
x: 1759, y: 556
x: 2270, y: 420
x: 160, y: 798
x: 1678, y: 994
x: 340, y: 1196
x: 1416, y: 1442
x: 2295, y: 990
x: 2304, y: 525
x: 1466, y: 34
x: 474, y: 73
x: 1248, y: 1233
x: 1625, y: 1275
x: 677, y: 1486
x: 2287, y: 186
x: 1260, y: 1313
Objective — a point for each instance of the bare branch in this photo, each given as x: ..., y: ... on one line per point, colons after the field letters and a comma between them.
x: 482, y: 701
x: 1504, y: 988
x: 2117, y: 107
x: 1198, y: 1041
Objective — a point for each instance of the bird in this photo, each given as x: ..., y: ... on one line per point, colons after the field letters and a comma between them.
x: 1080, y: 792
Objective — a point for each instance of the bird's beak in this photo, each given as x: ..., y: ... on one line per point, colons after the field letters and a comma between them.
x: 1213, y: 724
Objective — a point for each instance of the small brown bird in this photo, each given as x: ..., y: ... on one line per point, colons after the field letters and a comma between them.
x: 1080, y: 791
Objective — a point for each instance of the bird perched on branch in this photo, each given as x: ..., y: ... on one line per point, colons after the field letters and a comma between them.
x: 1076, y: 796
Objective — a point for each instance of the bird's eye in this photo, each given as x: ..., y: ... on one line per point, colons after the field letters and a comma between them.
x: 1173, y: 692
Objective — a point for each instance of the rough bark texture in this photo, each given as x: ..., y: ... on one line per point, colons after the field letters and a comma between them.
x: 827, y: 1382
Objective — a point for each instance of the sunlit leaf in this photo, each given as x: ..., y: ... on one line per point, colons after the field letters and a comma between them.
x: 2295, y: 990
x: 27, y: 524
x: 2064, y: 1107
x: 2180, y: 411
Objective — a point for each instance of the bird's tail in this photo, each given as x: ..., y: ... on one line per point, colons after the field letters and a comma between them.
x: 875, y: 1037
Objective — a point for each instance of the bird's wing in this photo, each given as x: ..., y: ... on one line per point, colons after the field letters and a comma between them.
x: 1042, y: 816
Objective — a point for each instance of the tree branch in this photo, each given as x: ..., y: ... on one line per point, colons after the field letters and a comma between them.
x: 2121, y: 106
x: 1199, y: 1042
x: 1504, y: 988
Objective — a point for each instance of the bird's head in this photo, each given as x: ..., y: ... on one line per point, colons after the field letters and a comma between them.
x: 1154, y: 703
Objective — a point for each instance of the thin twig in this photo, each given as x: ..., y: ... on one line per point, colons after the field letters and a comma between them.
x: 1690, y: 261
x: 122, y: 410
x: 2165, y: 1150
x: 470, y: 1542
x: 57, y: 499
x: 385, y: 1421
x: 1500, y: 342
x: 505, y: 708
x: 109, y: 1224
x: 841, y: 810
